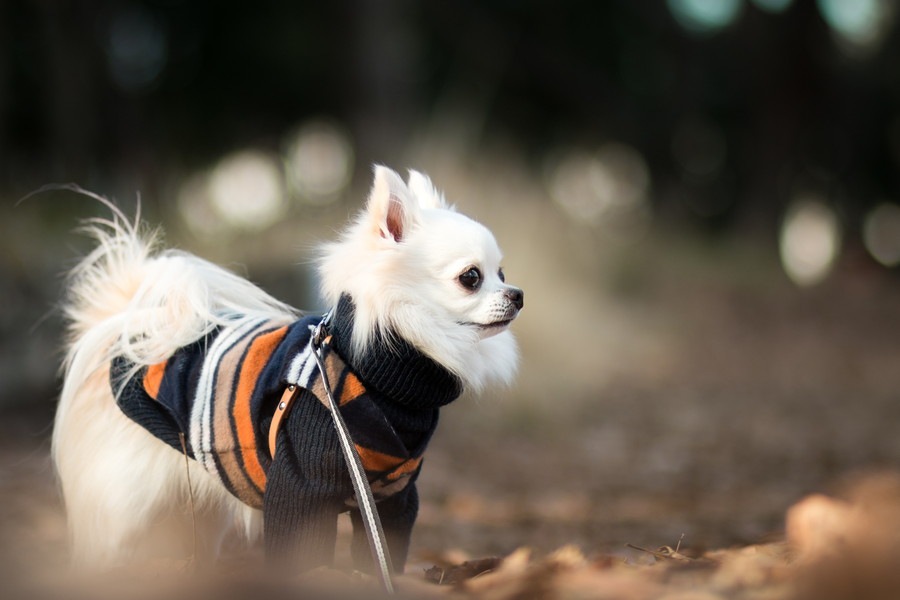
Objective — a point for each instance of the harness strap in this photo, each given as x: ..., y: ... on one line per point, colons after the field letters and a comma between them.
x: 284, y: 406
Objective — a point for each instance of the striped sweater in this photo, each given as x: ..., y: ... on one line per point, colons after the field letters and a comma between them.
x: 221, y: 392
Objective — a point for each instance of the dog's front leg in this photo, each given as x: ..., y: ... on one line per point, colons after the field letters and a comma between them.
x: 305, y: 491
x: 299, y: 521
x: 398, y: 515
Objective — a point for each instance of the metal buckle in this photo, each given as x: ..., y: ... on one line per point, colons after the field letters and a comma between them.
x: 321, y: 330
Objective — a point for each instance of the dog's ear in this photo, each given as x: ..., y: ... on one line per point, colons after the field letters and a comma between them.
x: 392, y: 209
x: 424, y: 191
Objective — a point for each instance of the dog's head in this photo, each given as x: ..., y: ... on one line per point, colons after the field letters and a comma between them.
x: 418, y: 269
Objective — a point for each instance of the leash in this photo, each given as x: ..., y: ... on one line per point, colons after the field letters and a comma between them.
x: 364, y: 497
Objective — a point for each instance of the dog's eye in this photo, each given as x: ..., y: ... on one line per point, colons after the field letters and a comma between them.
x: 471, y: 279
x: 501, y: 275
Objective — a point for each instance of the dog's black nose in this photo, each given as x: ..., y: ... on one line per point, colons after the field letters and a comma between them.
x: 516, y: 296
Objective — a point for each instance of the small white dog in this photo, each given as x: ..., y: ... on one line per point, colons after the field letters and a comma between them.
x: 171, y: 356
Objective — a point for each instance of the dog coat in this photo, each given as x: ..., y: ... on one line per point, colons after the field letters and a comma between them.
x: 219, y: 394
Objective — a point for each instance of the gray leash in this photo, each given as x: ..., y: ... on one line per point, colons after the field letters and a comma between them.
x: 364, y: 497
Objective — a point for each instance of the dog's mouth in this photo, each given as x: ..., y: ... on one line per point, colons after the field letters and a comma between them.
x: 493, y: 327
x: 495, y: 324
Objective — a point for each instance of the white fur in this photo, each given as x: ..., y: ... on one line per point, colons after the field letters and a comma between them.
x: 400, y: 261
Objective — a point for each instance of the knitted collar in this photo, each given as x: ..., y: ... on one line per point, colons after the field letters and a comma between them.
x: 392, y: 367
x: 406, y: 386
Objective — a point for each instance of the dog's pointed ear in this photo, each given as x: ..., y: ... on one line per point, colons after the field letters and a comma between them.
x: 392, y: 209
x: 424, y: 191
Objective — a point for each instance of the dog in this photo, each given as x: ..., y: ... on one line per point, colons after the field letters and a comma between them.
x: 175, y: 366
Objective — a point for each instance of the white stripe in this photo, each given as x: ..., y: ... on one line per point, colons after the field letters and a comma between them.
x: 301, y: 366
x: 201, y: 412
x: 308, y: 369
x: 297, y: 365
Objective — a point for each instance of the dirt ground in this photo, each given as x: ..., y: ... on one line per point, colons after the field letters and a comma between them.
x: 729, y: 403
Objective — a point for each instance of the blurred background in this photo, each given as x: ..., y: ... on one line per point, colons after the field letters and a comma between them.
x: 699, y: 197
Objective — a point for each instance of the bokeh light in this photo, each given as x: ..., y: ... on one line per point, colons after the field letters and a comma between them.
x: 246, y: 189
x: 609, y: 186
x: 881, y: 233
x: 136, y: 48
x: 195, y: 207
x: 705, y: 16
x: 810, y: 240
x: 859, y: 25
x: 318, y: 162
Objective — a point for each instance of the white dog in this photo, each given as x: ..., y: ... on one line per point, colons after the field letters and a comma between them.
x: 170, y: 357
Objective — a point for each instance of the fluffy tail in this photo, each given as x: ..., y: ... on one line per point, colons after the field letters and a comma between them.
x: 127, y: 299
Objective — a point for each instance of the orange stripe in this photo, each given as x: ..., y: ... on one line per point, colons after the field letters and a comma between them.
x: 153, y: 379
x: 257, y: 356
x: 352, y: 389
x: 373, y: 460
x: 404, y: 469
